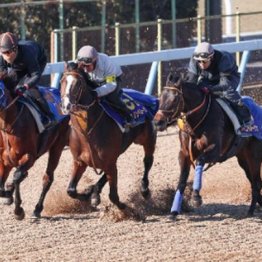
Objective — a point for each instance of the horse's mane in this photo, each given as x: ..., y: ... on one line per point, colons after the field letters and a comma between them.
x: 180, y: 81
x: 9, y: 82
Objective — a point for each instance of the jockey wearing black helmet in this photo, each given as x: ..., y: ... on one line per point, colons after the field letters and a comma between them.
x: 25, y: 61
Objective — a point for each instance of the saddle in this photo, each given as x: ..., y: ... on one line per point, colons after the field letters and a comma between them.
x: 141, y: 106
x: 255, y: 111
x: 53, y: 99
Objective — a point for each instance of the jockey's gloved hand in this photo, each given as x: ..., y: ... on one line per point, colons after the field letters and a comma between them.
x: 19, y: 90
x: 94, y: 94
x: 205, y: 90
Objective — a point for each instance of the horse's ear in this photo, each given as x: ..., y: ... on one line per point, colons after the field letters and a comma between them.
x: 65, y: 65
x: 172, y: 79
x: 169, y: 79
x: 71, y: 66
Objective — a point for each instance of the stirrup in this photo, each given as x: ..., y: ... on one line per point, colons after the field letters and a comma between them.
x: 50, y: 122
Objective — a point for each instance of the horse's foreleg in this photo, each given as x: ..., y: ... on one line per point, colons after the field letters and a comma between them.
x: 148, y: 162
x: 19, y: 176
x: 96, y: 190
x: 184, y: 174
x: 48, y: 178
x: 47, y: 182
x: 197, y: 185
x: 78, y: 170
x: 112, y: 180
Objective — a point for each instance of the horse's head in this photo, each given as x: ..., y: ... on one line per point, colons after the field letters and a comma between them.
x: 171, y: 103
x: 76, y: 89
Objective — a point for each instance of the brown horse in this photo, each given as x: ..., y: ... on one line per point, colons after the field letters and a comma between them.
x: 206, y: 136
x: 97, y: 141
x: 22, y: 144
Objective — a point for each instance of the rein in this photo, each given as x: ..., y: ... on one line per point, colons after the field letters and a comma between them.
x: 16, y: 118
x: 180, y: 107
x: 76, y: 106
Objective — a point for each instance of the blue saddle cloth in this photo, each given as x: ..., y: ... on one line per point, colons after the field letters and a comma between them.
x: 141, y: 106
x: 256, y: 112
x: 53, y: 98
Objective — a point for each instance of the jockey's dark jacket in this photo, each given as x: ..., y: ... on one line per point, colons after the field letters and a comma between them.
x: 28, y: 64
x: 221, y: 77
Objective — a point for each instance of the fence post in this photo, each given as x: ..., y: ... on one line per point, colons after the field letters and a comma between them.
x: 74, y: 42
x: 159, y: 47
x: 237, y: 35
x: 199, y: 29
x: 117, y: 38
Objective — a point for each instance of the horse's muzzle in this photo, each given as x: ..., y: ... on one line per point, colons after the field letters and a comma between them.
x: 160, y: 121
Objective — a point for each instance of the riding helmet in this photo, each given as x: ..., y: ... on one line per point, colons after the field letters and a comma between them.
x: 8, y: 41
x: 87, y: 54
x: 203, y: 51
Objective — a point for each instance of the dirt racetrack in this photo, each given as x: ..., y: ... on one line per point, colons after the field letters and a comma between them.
x: 69, y: 231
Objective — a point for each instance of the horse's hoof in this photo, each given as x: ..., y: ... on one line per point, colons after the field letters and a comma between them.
x: 173, y: 216
x: 196, y: 201
x: 36, y: 215
x: 6, y: 201
x: 121, y: 205
x: 72, y: 193
x: 88, y: 192
x: 95, y: 200
x: 20, y: 215
x: 145, y: 192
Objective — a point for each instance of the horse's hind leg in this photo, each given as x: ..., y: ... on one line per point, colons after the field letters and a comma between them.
x: 148, y: 162
x: 251, y: 165
x: 149, y: 149
x: 111, y: 176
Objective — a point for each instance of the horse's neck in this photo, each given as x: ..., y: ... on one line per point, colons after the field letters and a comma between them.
x: 193, y: 98
x: 9, y: 114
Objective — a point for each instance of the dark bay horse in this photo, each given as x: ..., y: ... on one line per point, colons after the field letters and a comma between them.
x: 206, y: 136
x: 21, y: 145
x: 97, y: 141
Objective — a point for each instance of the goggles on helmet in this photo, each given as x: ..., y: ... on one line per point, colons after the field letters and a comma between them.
x: 203, y: 56
x: 86, y: 60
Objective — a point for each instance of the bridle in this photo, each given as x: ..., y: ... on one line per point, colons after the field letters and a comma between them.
x: 184, y: 115
x: 174, y: 112
x: 82, y: 84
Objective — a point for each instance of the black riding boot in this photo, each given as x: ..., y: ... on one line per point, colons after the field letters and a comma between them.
x: 243, y: 113
x: 45, y: 108
x: 116, y: 101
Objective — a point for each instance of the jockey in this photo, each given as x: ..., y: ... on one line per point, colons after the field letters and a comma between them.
x: 25, y: 61
x: 216, y: 72
x: 107, y: 75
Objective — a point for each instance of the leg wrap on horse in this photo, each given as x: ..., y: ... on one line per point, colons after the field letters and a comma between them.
x: 177, y: 202
x: 197, y: 185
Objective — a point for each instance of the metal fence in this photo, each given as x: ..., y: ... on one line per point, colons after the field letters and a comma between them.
x: 157, y: 35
